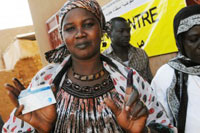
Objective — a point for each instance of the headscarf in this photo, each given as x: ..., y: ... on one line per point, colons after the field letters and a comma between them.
x: 90, y: 5
x: 57, y: 55
x: 185, y: 19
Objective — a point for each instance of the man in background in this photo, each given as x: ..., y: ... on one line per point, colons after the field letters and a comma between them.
x: 118, y: 30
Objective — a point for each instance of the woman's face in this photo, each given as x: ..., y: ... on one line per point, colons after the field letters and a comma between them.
x: 82, y: 33
x: 191, y: 44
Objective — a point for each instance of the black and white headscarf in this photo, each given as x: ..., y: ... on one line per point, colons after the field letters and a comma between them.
x: 184, y: 20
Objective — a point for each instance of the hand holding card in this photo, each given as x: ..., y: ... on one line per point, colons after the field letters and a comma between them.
x: 37, y: 101
x: 36, y: 98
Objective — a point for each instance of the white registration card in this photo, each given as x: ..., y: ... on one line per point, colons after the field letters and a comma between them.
x: 36, y: 98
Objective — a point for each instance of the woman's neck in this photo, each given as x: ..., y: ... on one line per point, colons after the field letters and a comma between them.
x: 87, y: 67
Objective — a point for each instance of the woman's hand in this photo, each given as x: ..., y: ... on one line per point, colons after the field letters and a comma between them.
x: 42, y: 119
x: 132, y: 116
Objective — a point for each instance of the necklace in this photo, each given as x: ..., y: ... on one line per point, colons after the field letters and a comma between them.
x: 88, y: 77
x: 87, y: 91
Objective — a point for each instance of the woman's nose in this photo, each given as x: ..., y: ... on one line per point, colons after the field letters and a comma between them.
x: 80, y: 33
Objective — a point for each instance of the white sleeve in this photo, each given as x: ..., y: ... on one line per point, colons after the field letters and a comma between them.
x: 160, y: 83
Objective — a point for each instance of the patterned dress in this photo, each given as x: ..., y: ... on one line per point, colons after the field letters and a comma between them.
x: 81, y: 109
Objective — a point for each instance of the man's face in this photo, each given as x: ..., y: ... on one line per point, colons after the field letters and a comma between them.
x: 120, y: 33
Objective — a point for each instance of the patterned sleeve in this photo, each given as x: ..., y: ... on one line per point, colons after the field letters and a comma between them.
x: 157, y: 118
x: 17, y: 125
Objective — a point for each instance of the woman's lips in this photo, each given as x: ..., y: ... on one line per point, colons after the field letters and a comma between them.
x: 82, y: 45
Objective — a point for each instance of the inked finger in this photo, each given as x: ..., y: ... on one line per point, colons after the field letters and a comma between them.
x: 143, y: 112
x: 111, y: 104
x: 136, y: 109
x: 132, y: 98
x: 18, y: 84
x: 129, y: 86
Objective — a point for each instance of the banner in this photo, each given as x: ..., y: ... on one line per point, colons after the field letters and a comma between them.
x: 151, y: 23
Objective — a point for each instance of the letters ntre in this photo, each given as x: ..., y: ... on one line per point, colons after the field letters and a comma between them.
x: 144, y: 18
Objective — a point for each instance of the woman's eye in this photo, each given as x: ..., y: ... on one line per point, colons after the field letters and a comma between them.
x: 69, y: 29
x: 193, y: 39
x: 88, y: 25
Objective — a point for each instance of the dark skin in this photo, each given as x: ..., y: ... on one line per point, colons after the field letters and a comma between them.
x: 191, y: 44
x: 83, y: 42
x: 133, y: 114
x: 83, y: 36
x: 120, y: 37
x: 41, y: 119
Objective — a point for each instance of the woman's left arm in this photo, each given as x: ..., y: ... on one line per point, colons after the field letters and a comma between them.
x: 133, y: 115
x: 141, y: 111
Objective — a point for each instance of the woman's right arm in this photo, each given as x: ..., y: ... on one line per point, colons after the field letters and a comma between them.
x: 42, y: 119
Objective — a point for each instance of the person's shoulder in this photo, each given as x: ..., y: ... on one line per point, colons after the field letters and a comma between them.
x: 165, y: 68
x: 163, y: 78
x: 164, y: 74
x: 138, y: 50
x: 49, y: 67
x: 44, y: 75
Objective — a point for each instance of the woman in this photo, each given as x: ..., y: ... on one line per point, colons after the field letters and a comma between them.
x: 177, y: 84
x: 91, y: 90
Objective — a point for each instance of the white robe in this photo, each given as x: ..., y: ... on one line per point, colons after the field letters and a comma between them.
x: 161, y: 83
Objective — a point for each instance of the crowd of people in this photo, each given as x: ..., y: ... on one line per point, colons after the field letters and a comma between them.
x: 113, y: 91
